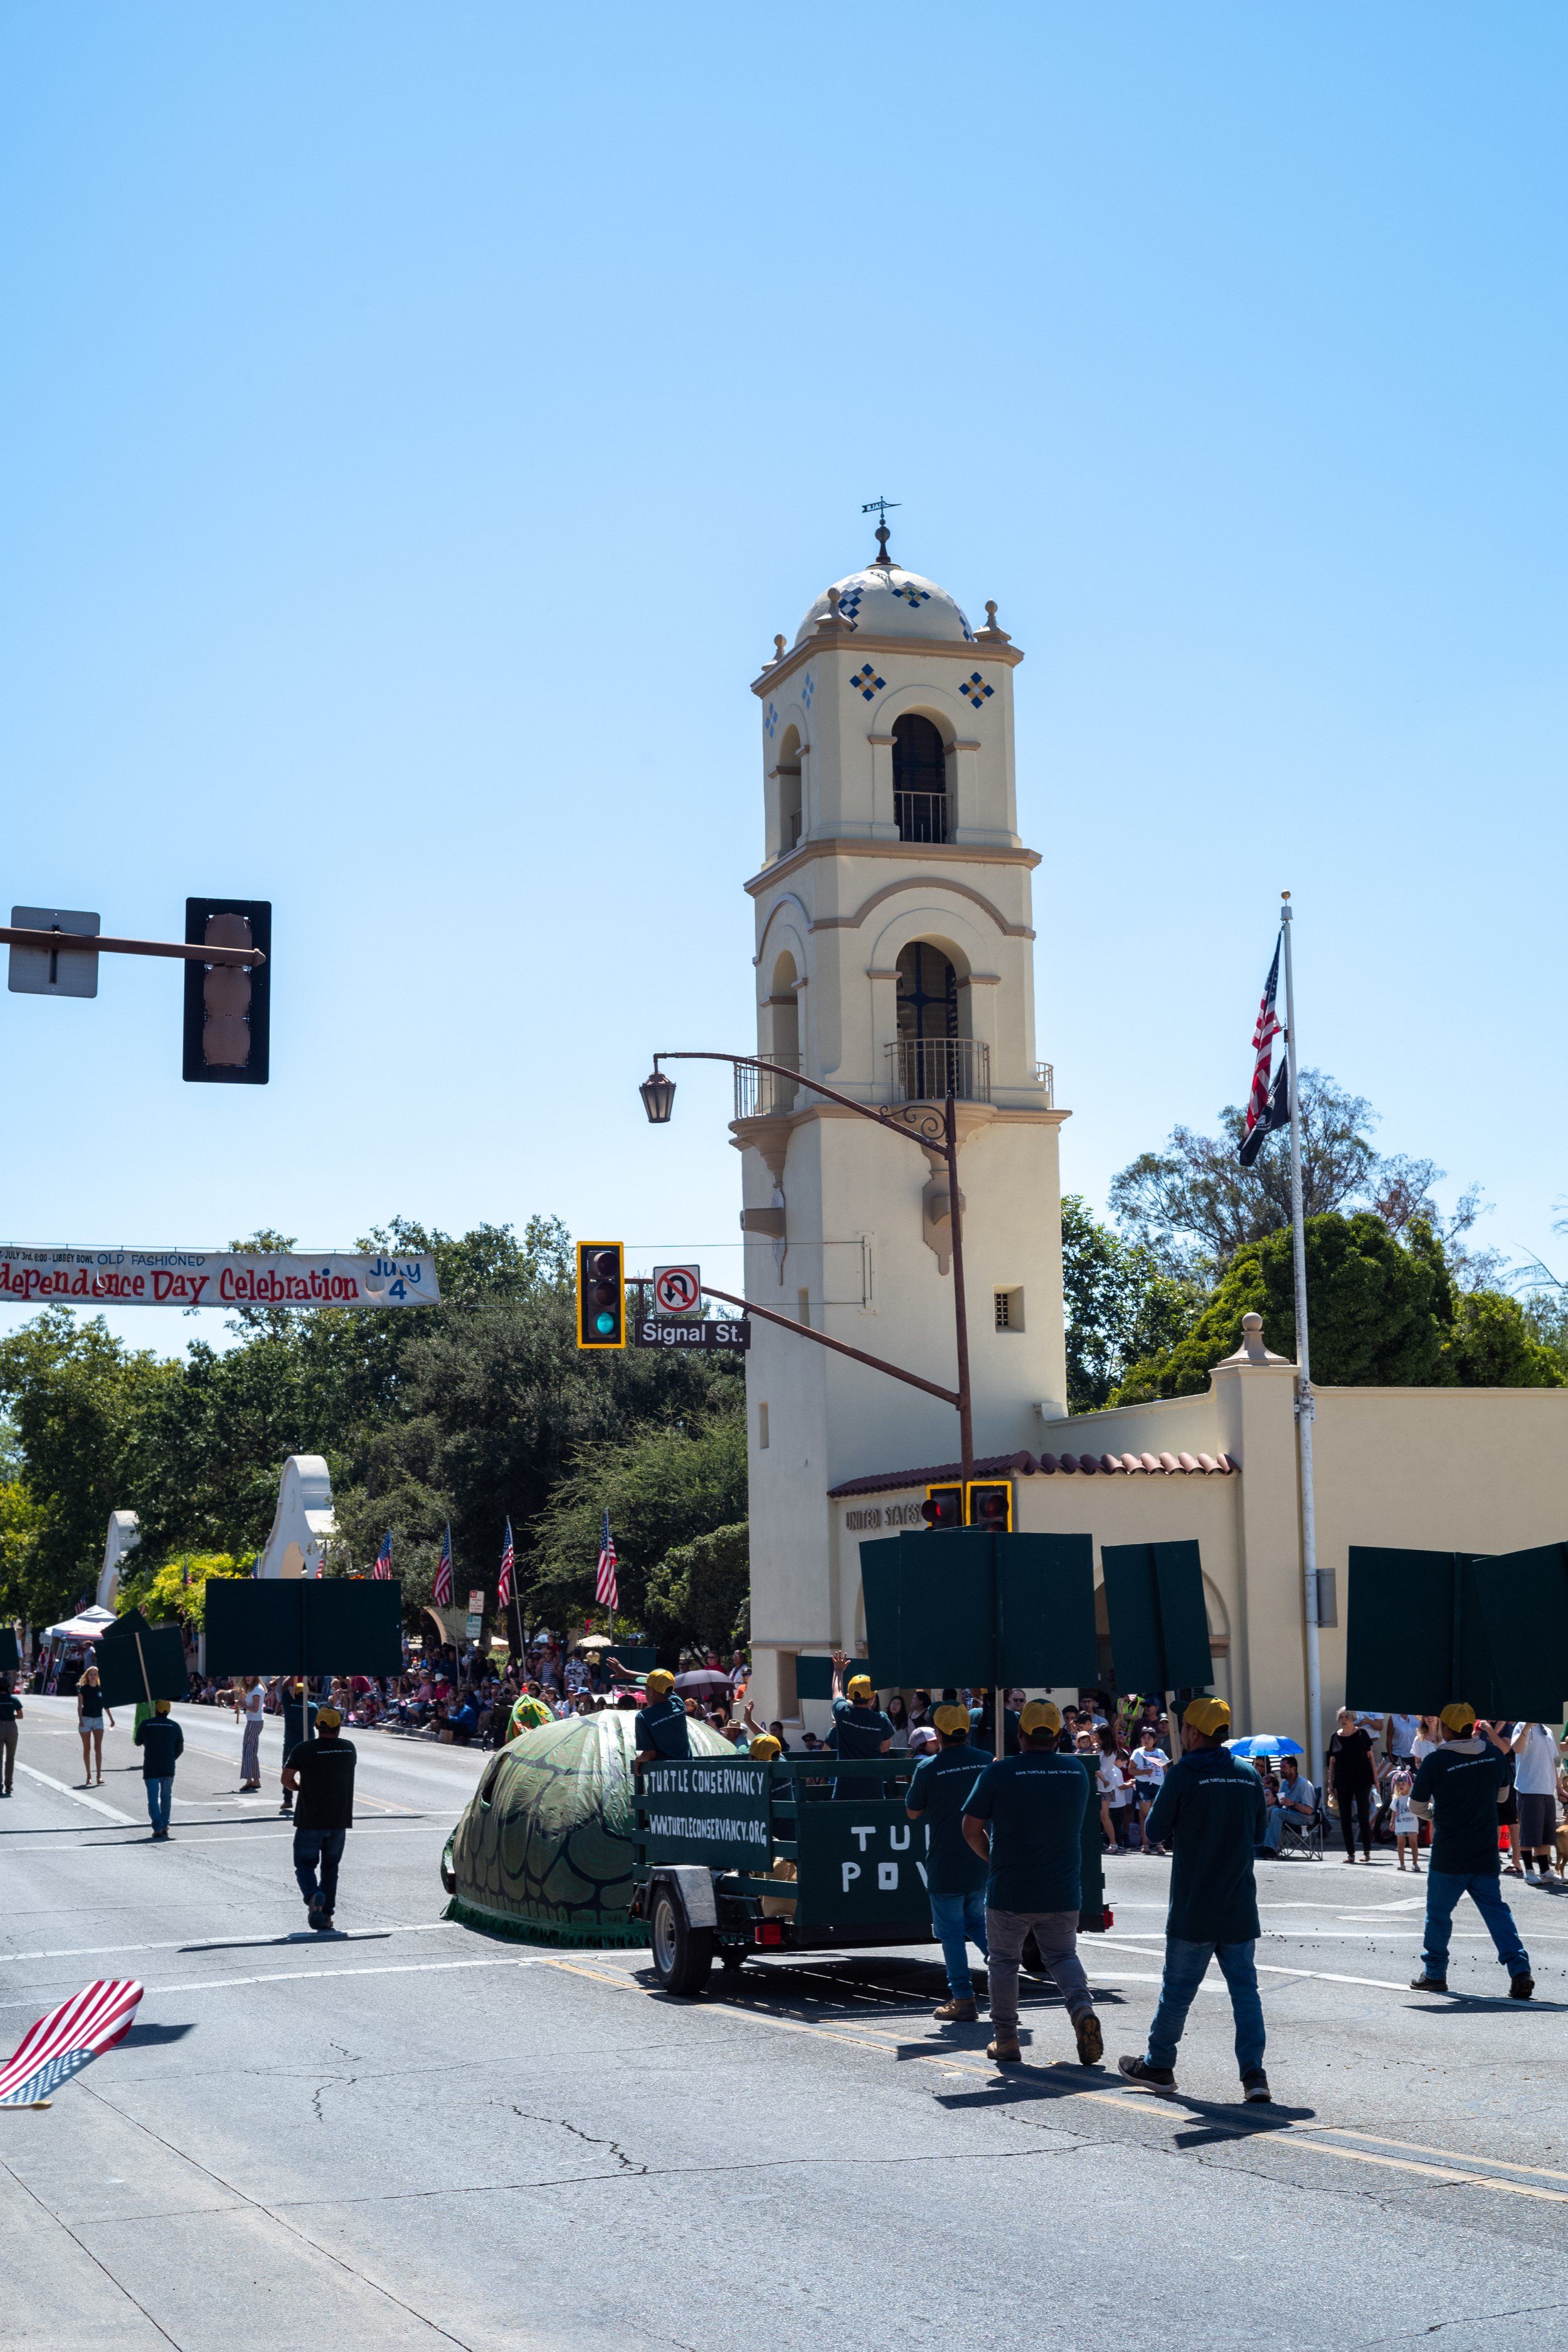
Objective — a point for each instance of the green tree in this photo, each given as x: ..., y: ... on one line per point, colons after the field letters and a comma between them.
x: 1122, y: 1304
x: 701, y: 1590
x: 1492, y: 1345
x: 75, y: 1396
x: 178, y: 1589
x: 663, y: 1488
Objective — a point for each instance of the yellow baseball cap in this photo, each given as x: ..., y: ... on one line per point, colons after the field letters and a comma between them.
x: 160, y: 1707
x: 952, y: 1718
x: 660, y: 1683
x: 1458, y: 1716
x: 858, y: 1682
x: 1208, y: 1715
x: 764, y: 1746
x: 328, y: 1718
x: 1041, y: 1714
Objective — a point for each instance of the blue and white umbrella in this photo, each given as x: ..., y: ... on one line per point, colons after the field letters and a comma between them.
x: 1265, y: 1743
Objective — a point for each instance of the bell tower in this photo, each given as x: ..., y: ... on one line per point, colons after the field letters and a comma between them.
x: 893, y: 962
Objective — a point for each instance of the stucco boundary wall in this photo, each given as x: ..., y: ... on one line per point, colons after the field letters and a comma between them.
x: 1443, y: 1469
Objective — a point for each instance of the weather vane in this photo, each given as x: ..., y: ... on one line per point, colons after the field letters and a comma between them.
x: 881, y: 508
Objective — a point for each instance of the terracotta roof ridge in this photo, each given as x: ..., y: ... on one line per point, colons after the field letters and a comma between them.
x: 1047, y: 1466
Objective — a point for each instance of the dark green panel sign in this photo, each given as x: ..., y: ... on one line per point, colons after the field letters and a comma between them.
x: 138, y: 1663
x: 861, y: 1866
x: 304, y: 1625
x: 1159, y: 1625
x: 1425, y: 1627
x: 10, y: 1655
x: 707, y: 1810
x: 938, y: 1603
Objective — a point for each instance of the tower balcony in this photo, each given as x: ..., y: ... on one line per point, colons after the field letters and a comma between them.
x: 921, y: 816
x: 927, y: 1069
x: 759, y: 1094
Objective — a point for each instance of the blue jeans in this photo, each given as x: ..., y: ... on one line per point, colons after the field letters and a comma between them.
x: 958, y: 1921
x: 159, y: 1792
x: 325, y: 1846
x: 1444, y: 1888
x: 1184, y: 1967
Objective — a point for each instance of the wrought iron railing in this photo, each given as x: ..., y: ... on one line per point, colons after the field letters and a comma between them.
x: 926, y: 1069
x: 1046, y: 1077
x: 760, y: 1094
x: 921, y: 816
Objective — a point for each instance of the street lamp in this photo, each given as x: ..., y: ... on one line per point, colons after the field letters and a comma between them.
x: 934, y: 1132
x: 657, y: 1094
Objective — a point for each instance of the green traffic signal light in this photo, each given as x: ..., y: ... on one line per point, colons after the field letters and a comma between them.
x: 601, y: 1295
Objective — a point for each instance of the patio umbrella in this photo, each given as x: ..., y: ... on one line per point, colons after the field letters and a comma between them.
x: 594, y: 1641
x: 1266, y: 1743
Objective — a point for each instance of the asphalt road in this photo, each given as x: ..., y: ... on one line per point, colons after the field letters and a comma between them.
x: 414, y: 2135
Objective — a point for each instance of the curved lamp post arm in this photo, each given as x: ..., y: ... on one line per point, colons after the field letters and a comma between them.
x: 932, y: 1129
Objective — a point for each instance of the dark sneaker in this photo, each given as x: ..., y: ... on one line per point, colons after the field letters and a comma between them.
x: 1521, y: 1987
x: 1255, y: 2088
x: 1005, y: 2050
x: 957, y: 2013
x: 1147, y: 2077
x: 1429, y: 1984
x: 1090, y: 2040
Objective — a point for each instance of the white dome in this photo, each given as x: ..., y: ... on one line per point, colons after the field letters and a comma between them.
x: 887, y: 601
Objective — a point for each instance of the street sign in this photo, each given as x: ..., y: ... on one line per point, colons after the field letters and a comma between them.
x: 678, y: 1291
x: 54, y: 971
x: 655, y: 1331
x: 476, y: 1615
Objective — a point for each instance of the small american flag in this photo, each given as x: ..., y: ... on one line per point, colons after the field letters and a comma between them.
x: 508, y: 1560
x: 382, y: 1568
x: 442, y: 1594
x: 605, y: 1590
x: 62, y: 2043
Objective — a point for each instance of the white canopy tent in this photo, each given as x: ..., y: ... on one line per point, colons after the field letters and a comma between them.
x: 84, y: 1628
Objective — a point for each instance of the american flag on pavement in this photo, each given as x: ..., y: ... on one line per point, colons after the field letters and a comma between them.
x: 62, y: 2043
x: 1267, y: 1107
x: 442, y: 1592
x: 605, y: 1590
x: 508, y: 1560
x: 382, y: 1568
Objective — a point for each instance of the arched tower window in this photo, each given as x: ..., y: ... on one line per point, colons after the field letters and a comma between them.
x: 929, y: 1058
x: 783, y: 1009
x: 919, y: 778
x: 790, y: 812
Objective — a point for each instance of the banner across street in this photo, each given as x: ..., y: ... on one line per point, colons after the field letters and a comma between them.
x: 179, y: 1277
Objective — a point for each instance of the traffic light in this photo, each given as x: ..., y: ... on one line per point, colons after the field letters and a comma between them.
x: 227, y: 1005
x: 601, y: 1295
x: 989, y: 1504
x: 943, y: 1506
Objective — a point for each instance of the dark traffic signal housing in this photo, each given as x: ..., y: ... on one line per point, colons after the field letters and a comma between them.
x: 601, y: 1295
x: 227, y: 1006
x: 943, y: 1506
x: 989, y: 1504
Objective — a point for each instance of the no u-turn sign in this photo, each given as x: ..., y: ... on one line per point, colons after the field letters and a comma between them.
x: 677, y: 1290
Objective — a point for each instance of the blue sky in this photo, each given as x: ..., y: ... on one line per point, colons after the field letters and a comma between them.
x: 415, y: 423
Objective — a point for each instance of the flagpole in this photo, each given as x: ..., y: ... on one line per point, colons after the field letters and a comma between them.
x: 1304, y: 1407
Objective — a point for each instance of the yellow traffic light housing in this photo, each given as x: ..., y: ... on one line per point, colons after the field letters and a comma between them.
x: 601, y: 1295
x: 988, y: 1502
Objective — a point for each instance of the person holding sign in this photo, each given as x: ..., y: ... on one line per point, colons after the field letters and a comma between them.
x: 1212, y: 1810
x: 322, y: 1771
x: 161, y: 1743
x: 859, y: 1728
x: 956, y: 1874
x: 1462, y: 1790
x: 1024, y: 1820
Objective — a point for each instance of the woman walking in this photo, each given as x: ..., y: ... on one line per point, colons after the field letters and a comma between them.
x: 1351, y: 1775
x: 10, y: 1717
x: 251, y: 1704
x: 89, y: 1714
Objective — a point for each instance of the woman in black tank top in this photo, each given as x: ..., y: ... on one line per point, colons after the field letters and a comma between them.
x: 90, y: 1715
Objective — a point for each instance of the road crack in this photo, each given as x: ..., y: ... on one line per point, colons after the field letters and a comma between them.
x: 559, y: 2122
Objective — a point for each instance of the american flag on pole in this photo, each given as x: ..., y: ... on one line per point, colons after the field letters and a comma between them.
x: 508, y: 1560
x: 382, y: 1568
x: 442, y: 1592
x: 605, y: 1590
x: 62, y: 2043
x: 1267, y: 1107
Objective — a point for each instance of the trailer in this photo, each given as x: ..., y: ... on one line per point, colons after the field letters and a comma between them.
x: 735, y: 1857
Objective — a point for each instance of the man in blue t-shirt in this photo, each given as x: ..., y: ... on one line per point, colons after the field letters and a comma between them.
x: 1459, y: 1788
x: 956, y: 1874
x: 1211, y: 1811
x: 1024, y: 1820
x: 859, y: 1728
x: 659, y: 1735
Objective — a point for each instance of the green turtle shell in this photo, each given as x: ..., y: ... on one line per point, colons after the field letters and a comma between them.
x: 543, y: 1850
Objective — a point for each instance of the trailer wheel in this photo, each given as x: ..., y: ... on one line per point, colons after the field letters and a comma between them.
x: 682, y: 1955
